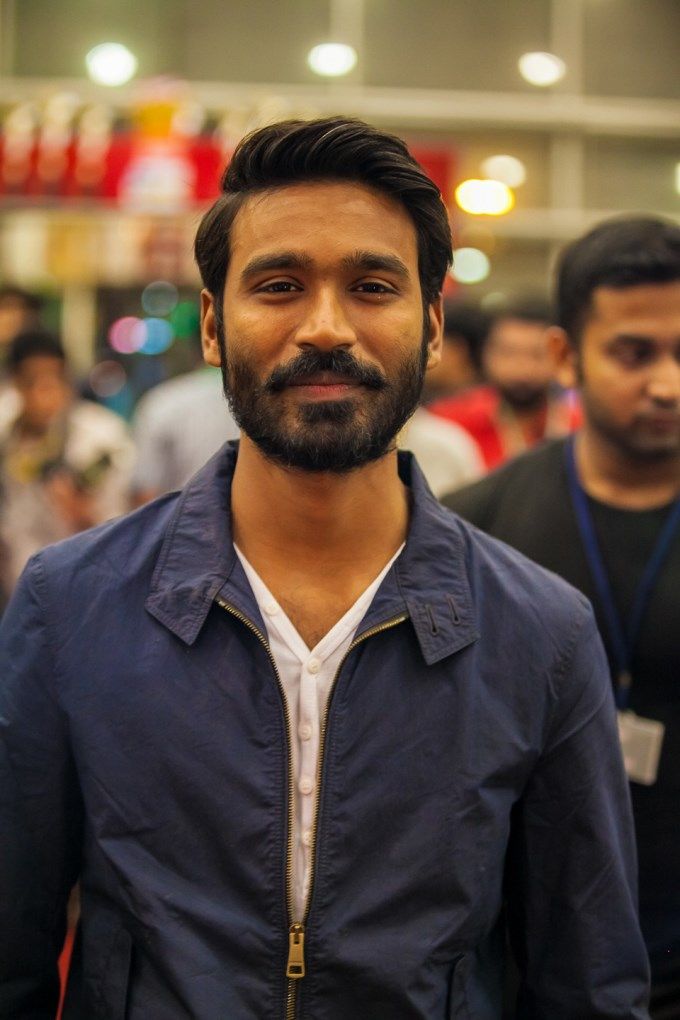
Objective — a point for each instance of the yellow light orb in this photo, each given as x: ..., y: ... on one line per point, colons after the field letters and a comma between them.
x: 484, y: 198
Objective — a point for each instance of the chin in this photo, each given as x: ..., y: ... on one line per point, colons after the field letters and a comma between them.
x: 651, y: 450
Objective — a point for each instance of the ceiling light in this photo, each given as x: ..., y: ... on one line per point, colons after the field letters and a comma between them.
x: 508, y: 169
x: 332, y: 59
x: 111, y: 64
x: 541, y: 68
x: 470, y: 265
x: 488, y: 198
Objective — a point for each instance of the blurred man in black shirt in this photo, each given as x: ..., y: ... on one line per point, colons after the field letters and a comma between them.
x: 603, y: 511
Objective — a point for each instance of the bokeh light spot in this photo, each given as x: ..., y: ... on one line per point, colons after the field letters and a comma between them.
x: 332, y: 59
x: 185, y: 319
x: 541, y: 69
x: 125, y: 335
x: 158, y: 336
x: 470, y: 265
x: 107, y: 378
x: 159, y: 298
x: 488, y: 198
x: 507, y: 169
x: 111, y: 64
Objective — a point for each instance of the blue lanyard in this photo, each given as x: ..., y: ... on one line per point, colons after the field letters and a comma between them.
x: 622, y: 636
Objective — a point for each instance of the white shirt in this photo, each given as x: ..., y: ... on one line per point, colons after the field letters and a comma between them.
x: 447, y: 455
x: 307, y: 677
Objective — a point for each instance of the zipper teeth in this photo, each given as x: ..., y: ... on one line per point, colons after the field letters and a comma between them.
x: 292, y: 986
x: 322, y: 745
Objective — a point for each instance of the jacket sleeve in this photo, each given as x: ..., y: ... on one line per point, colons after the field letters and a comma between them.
x: 571, y: 881
x: 40, y: 812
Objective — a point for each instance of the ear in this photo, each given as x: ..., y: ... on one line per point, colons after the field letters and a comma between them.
x: 436, y: 330
x: 209, y: 341
x: 564, y: 356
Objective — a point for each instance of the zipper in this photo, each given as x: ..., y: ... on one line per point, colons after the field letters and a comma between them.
x: 295, y: 965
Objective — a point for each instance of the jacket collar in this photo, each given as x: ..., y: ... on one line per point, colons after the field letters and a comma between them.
x: 197, y: 564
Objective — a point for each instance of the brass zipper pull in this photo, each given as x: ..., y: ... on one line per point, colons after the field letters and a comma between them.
x: 296, y: 952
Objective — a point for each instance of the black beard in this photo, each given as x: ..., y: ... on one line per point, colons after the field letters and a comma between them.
x: 332, y: 435
x: 523, y: 397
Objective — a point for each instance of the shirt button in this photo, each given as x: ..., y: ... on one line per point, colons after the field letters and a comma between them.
x: 313, y: 666
x: 271, y: 609
x: 304, y: 731
x: 305, y: 785
x: 307, y: 837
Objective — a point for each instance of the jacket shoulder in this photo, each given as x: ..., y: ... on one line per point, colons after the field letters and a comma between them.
x: 504, y: 580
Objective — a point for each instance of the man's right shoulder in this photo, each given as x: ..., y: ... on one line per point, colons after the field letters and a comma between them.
x: 518, y: 480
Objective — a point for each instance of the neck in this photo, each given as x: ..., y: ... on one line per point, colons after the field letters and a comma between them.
x: 611, y: 475
x: 317, y: 521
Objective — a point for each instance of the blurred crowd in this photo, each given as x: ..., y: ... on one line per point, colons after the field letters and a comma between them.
x: 68, y: 463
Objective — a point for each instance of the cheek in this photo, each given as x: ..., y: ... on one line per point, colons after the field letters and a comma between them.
x: 613, y: 389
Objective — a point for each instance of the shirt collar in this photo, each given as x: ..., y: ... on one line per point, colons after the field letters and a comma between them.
x: 197, y: 564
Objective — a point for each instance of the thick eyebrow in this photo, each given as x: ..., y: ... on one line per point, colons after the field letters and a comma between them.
x: 631, y: 338
x: 376, y: 262
x: 275, y: 261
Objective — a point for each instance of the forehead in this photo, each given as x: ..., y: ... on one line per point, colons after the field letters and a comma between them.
x: 518, y: 332
x: 40, y: 365
x: 325, y: 220
x: 647, y: 308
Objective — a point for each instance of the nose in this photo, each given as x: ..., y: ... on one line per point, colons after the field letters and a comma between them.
x: 325, y: 323
x: 664, y: 385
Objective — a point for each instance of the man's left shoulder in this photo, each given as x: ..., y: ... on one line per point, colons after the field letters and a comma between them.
x: 503, y: 579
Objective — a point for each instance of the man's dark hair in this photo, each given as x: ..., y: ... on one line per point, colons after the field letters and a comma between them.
x: 17, y: 295
x: 527, y: 308
x: 623, y: 252
x: 33, y: 343
x: 467, y: 324
x: 333, y: 149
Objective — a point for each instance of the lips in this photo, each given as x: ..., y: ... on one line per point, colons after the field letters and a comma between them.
x: 662, y: 422
x: 329, y: 379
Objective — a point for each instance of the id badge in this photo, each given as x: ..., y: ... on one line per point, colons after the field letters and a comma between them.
x: 641, y: 741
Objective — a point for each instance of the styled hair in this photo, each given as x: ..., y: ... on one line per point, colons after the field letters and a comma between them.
x: 622, y: 252
x: 527, y: 308
x: 33, y: 343
x: 332, y: 149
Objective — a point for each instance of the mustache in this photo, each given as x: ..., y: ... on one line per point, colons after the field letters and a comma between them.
x: 339, y: 362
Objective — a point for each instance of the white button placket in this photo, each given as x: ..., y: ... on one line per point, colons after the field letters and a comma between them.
x: 308, y: 732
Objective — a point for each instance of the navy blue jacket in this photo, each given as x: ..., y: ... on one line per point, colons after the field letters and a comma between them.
x: 471, y: 777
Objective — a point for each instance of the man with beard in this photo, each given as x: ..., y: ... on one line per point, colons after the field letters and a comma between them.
x: 520, y: 404
x: 603, y: 511
x: 308, y: 739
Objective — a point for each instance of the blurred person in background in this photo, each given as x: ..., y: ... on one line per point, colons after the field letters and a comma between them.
x: 177, y: 426
x: 446, y: 453
x: 602, y: 509
x: 521, y: 402
x: 19, y: 311
x: 64, y: 463
x: 465, y: 328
